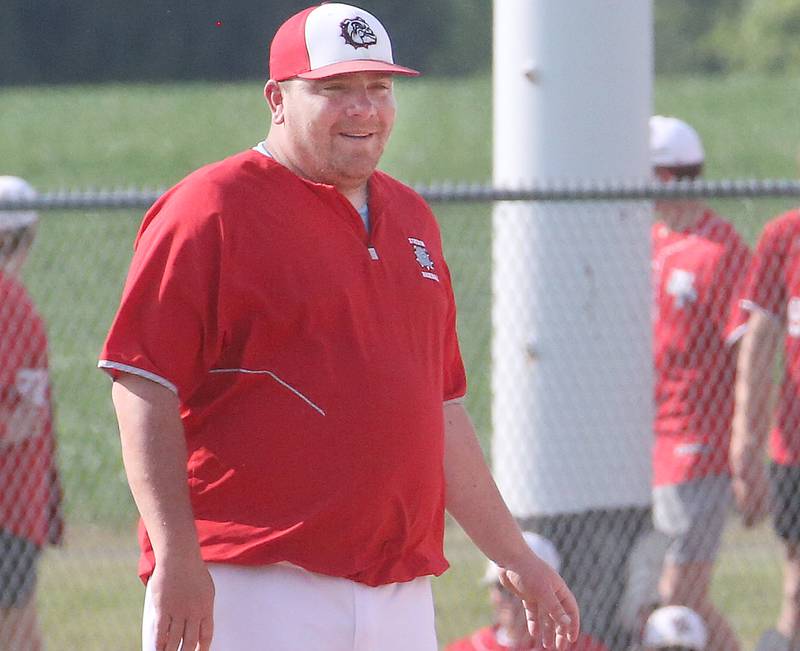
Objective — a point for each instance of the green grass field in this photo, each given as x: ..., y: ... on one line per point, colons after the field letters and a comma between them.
x: 118, y: 136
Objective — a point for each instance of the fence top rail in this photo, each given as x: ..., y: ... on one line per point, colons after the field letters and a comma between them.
x: 142, y: 198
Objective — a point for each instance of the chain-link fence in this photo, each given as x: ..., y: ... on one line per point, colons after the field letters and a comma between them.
x: 555, y: 290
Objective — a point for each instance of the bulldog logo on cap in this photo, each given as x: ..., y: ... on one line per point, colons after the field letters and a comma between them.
x: 357, y: 33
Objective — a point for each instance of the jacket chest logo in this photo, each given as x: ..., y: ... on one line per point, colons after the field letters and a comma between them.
x: 681, y: 287
x: 793, y: 317
x: 423, y: 258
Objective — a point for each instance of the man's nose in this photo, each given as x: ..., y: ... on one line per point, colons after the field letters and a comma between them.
x: 360, y: 102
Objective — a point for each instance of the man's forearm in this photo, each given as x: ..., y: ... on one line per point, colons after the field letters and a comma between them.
x: 472, y: 495
x: 755, y: 363
x: 154, y: 454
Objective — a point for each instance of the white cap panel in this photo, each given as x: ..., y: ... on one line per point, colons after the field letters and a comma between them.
x: 359, y: 35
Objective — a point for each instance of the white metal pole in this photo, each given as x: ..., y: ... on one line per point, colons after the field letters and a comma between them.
x: 571, y: 376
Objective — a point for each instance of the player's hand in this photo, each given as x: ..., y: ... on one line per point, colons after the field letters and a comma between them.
x: 550, y: 607
x: 751, y: 492
x: 183, y: 596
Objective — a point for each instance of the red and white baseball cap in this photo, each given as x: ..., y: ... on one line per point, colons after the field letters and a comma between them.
x: 331, y: 39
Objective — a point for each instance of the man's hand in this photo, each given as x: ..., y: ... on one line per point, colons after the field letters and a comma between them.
x: 550, y: 607
x: 183, y: 596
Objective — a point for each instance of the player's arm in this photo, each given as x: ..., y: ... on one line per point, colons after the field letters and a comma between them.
x: 475, y: 502
x: 751, y: 421
x: 154, y: 454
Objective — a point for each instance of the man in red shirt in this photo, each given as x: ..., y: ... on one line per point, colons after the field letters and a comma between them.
x: 510, y: 630
x: 30, y: 493
x: 772, y: 299
x: 286, y: 342
x: 698, y: 266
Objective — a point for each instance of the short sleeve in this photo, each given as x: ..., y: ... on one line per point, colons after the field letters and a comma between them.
x: 454, y: 375
x: 765, y: 287
x: 166, y: 327
x: 733, y: 275
x: 23, y: 349
x: 24, y: 376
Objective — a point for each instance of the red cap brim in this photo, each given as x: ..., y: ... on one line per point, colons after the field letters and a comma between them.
x: 359, y: 65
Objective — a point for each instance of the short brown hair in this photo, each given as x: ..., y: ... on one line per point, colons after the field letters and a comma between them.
x: 680, y: 172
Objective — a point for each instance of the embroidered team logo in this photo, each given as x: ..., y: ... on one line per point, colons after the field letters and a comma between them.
x: 423, y: 258
x: 683, y: 626
x: 357, y: 33
x: 681, y: 287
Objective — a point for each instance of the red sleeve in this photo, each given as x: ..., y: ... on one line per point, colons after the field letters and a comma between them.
x: 23, y: 350
x: 765, y: 286
x: 454, y: 375
x: 166, y: 327
x: 733, y: 274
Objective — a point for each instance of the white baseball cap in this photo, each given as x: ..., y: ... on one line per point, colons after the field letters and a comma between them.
x: 331, y: 39
x: 673, y: 143
x: 675, y: 626
x: 540, y: 545
x: 13, y: 187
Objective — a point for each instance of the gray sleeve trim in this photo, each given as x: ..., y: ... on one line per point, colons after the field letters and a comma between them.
x: 750, y: 306
x: 125, y: 368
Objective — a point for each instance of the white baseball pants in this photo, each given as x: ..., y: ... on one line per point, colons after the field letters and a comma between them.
x: 285, y: 608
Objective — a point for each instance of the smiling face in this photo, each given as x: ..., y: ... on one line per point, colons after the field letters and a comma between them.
x: 332, y: 130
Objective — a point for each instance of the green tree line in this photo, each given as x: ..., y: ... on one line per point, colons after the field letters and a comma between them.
x: 64, y: 41
x: 51, y: 41
x: 720, y: 36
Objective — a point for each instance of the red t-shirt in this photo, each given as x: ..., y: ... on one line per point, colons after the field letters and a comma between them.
x: 698, y: 275
x: 773, y: 285
x: 485, y: 639
x: 29, y: 488
x: 311, y: 360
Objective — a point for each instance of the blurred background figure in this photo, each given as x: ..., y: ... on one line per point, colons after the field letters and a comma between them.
x: 699, y: 262
x: 509, y: 632
x: 772, y: 299
x: 30, y: 494
x: 675, y: 628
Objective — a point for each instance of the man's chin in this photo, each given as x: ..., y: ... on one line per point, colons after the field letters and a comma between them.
x: 357, y: 171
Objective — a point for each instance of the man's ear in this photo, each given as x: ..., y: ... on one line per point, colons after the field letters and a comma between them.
x: 273, y: 94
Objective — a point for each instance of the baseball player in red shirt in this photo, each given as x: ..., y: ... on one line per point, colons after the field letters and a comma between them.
x: 698, y: 264
x: 772, y: 299
x: 30, y: 493
x: 289, y: 386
